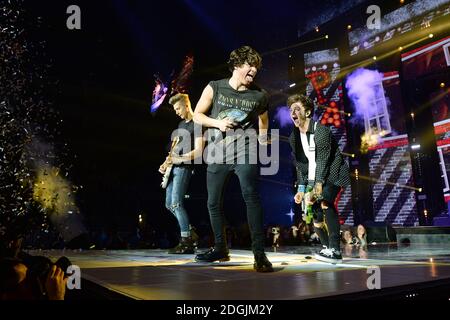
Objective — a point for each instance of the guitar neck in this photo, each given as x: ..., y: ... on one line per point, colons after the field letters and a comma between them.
x: 172, y: 147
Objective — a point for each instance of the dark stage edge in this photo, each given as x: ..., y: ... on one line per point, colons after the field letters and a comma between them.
x: 156, y: 275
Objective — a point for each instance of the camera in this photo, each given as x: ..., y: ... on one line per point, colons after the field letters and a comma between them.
x: 37, y: 270
x: 39, y: 267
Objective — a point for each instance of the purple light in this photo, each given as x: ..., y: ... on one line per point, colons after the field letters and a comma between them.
x: 159, y: 94
x: 179, y: 84
x: 158, y: 102
x: 283, y: 116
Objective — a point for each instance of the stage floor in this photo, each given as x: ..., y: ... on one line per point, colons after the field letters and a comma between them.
x: 156, y: 275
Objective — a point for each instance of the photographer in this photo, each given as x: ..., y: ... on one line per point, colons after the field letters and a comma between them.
x: 26, y: 277
x: 17, y: 283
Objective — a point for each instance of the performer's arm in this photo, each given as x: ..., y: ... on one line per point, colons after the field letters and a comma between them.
x: 198, y: 148
x: 197, y: 152
x: 263, y: 123
x: 323, y: 147
x: 302, y: 179
x: 301, y: 186
x: 301, y: 175
x: 203, y: 106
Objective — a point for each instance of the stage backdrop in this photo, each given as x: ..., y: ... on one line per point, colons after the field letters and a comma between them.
x: 429, y: 60
x: 389, y: 159
x: 405, y: 21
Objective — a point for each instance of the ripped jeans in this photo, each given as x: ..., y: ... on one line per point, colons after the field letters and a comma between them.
x: 329, y: 236
x: 175, y: 192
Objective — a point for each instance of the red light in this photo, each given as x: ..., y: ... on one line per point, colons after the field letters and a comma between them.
x: 335, y: 110
x: 337, y: 123
x: 336, y: 116
x: 330, y: 120
x: 332, y: 104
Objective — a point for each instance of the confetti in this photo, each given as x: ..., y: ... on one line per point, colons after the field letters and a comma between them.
x: 29, y: 129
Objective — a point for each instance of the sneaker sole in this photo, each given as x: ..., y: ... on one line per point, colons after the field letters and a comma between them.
x: 263, y: 270
x: 218, y: 260
x: 327, y: 260
x: 189, y: 252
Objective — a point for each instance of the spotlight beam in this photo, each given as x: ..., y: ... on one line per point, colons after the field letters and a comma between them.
x: 386, y: 182
x: 293, y: 46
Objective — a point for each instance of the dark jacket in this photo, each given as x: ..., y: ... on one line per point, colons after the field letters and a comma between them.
x: 330, y: 166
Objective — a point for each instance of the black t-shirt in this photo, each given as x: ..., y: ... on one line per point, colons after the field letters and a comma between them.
x: 186, y: 133
x: 244, y: 107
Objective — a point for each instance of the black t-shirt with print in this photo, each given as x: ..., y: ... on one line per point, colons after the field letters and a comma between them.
x: 186, y: 133
x: 244, y: 107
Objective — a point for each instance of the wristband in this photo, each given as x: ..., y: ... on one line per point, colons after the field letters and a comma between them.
x: 301, y: 188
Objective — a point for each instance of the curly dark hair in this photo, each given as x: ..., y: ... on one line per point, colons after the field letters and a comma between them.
x: 306, y: 102
x: 242, y: 55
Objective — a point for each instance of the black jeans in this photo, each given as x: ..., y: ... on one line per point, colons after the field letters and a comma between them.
x: 331, y: 239
x: 216, y: 178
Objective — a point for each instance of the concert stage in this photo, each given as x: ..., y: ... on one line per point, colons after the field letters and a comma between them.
x: 405, y: 271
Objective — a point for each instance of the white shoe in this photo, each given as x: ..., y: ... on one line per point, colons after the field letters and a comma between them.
x: 329, y: 255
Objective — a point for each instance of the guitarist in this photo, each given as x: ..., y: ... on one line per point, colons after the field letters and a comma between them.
x: 319, y: 165
x: 188, y: 148
x: 240, y: 97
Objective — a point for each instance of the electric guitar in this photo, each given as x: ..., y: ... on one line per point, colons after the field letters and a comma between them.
x: 166, y: 175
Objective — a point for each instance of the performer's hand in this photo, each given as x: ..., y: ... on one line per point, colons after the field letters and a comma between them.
x: 162, y: 168
x: 310, y: 198
x: 264, y: 139
x: 226, y: 124
x: 299, y: 197
x: 318, y: 189
x: 176, y: 160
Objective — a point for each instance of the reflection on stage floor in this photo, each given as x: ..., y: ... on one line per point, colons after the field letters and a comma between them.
x: 156, y: 275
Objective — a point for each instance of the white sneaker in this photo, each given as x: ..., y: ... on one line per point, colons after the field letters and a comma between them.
x: 329, y: 255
